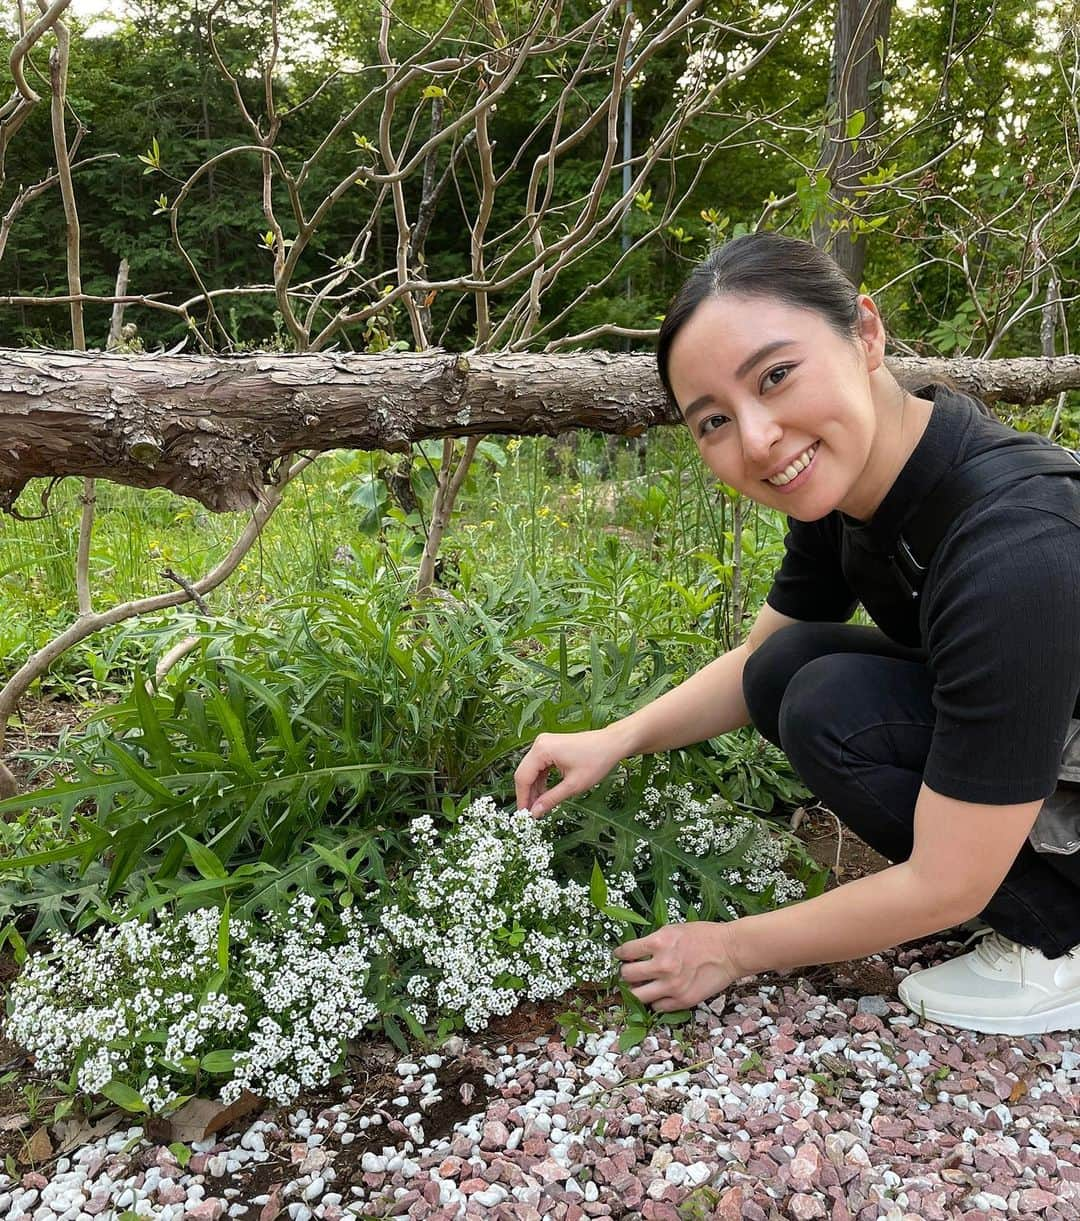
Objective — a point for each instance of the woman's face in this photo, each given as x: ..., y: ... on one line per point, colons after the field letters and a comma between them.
x: 780, y: 405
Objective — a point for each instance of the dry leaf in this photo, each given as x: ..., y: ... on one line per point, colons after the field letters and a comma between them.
x: 1018, y: 1090
x: 201, y: 1118
x: 272, y: 1207
x: 37, y: 1149
x: 74, y: 1133
x: 189, y: 1122
x: 246, y: 1104
x: 14, y: 1123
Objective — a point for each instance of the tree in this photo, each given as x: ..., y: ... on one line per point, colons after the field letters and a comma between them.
x: 460, y: 185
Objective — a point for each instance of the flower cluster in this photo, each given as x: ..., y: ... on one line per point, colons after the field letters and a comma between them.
x: 484, y: 922
x: 711, y: 828
x: 145, y: 1005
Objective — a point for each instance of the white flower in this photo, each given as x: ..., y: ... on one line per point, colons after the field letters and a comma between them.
x: 129, y: 1004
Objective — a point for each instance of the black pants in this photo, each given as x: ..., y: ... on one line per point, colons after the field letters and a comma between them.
x: 853, y: 713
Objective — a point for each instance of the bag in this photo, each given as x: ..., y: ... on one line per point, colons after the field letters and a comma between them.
x: 1056, y: 832
x: 1057, y: 829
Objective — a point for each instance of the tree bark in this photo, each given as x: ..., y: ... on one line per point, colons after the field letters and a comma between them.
x: 216, y: 428
x: 860, y: 40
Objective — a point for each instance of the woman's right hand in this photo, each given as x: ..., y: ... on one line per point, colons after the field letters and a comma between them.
x: 581, y: 759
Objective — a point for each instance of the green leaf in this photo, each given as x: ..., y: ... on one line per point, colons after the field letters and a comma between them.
x: 223, y: 940
x: 622, y: 913
x: 215, y: 983
x: 204, y: 859
x: 181, y: 1152
x: 631, y: 1037
x: 125, y: 1097
x: 598, y: 891
x: 855, y: 124
x: 218, y: 1061
x: 678, y: 1017
x: 138, y: 774
x: 394, y: 1034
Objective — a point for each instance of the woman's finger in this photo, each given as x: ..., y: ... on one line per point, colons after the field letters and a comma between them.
x: 635, y: 951
x: 530, y: 779
x: 550, y: 798
x: 651, y: 993
x: 639, y: 972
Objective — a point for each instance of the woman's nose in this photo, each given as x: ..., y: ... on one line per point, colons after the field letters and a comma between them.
x: 760, y: 433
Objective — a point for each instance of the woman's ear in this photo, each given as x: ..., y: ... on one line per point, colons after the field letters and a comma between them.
x: 871, y: 332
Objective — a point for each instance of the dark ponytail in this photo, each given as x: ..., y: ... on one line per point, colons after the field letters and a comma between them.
x: 764, y: 265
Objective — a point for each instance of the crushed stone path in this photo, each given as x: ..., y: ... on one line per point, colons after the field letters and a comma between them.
x: 775, y: 1103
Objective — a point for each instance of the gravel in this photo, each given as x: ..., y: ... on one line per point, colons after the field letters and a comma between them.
x: 775, y: 1103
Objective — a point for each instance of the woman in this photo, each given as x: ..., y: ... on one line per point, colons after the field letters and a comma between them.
x: 936, y: 735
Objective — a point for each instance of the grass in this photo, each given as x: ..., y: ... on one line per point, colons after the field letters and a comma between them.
x: 646, y: 541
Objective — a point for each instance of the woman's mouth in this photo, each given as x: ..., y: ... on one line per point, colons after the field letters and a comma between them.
x: 794, y: 474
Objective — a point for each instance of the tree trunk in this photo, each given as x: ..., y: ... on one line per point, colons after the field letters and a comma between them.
x: 860, y: 38
x: 215, y: 429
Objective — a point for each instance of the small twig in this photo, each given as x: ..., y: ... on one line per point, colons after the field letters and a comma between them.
x: 188, y: 588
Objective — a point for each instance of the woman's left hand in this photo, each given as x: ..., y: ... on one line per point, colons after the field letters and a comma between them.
x: 679, y: 965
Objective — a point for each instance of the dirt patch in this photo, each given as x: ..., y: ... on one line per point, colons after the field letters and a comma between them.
x: 37, y: 725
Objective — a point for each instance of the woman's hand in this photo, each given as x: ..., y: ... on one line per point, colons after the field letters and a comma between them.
x: 680, y: 965
x: 582, y: 759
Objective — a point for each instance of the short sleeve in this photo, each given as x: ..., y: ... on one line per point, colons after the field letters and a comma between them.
x: 1003, y: 643
x: 810, y: 584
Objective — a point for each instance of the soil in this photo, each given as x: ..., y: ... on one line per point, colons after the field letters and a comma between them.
x: 27, y: 1101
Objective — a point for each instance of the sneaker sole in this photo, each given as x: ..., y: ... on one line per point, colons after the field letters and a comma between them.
x: 1063, y: 1019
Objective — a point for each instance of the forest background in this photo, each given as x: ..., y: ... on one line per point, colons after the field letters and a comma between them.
x: 282, y: 739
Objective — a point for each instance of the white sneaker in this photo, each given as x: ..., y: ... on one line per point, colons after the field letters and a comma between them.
x: 1000, y: 987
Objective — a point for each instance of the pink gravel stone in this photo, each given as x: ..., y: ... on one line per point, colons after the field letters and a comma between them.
x: 671, y: 1128
x: 805, y: 1166
x: 730, y: 1205
x: 805, y: 1208
x: 549, y: 1171
x: 205, y: 1210
x: 1035, y: 1200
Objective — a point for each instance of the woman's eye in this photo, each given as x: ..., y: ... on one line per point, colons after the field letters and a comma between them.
x: 771, y: 377
x: 712, y: 422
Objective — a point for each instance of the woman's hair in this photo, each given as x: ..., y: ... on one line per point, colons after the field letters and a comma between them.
x: 764, y: 265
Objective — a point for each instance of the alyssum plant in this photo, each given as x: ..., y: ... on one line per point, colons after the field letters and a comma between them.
x: 149, y: 1012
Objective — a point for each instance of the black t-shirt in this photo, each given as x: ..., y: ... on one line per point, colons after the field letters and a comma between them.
x: 999, y: 615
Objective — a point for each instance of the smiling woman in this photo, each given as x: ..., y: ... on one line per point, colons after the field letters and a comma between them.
x: 935, y: 735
